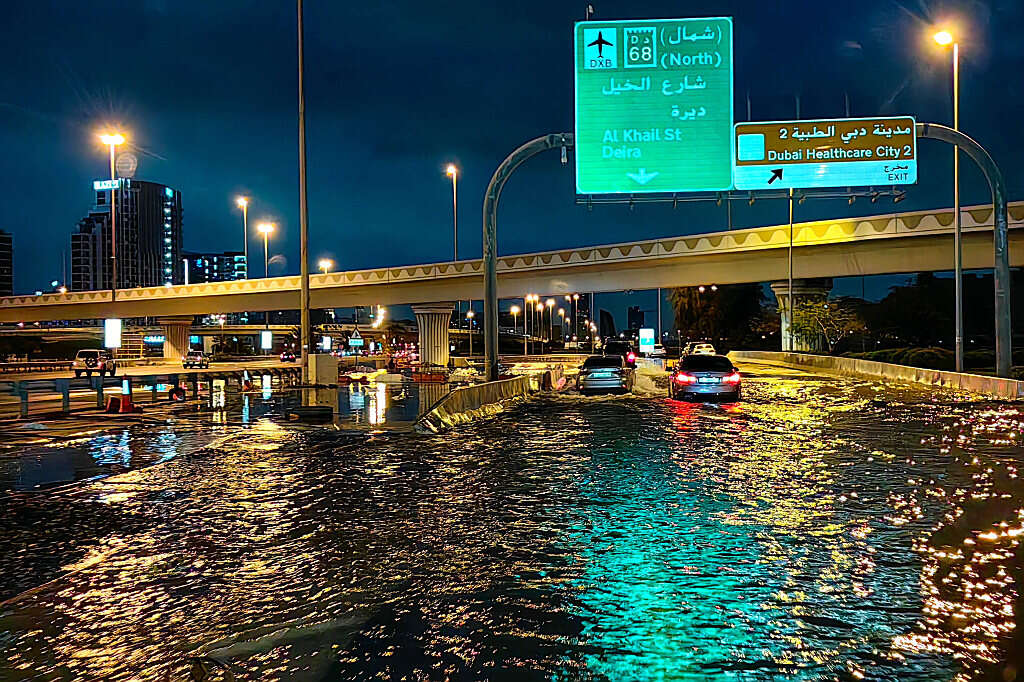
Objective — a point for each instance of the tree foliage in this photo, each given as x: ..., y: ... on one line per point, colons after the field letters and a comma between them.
x: 730, y: 312
x: 829, y: 320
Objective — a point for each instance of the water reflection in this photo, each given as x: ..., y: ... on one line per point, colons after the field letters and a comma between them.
x: 620, y: 538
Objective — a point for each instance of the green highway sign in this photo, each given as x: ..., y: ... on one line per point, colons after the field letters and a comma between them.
x: 654, y: 106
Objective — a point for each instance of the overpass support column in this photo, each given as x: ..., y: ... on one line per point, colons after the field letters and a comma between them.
x: 803, y: 289
x: 176, y: 332
x: 433, y: 320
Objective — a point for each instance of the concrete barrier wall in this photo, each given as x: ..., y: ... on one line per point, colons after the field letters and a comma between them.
x: 975, y: 383
x: 465, y: 404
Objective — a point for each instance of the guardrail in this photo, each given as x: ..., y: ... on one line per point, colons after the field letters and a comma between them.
x: 22, y: 389
x: 974, y: 383
x: 34, y: 366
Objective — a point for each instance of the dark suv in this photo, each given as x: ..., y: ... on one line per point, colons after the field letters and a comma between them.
x: 621, y: 348
x: 195, y: 358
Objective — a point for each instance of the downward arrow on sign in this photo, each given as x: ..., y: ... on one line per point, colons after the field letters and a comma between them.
x: 643, y: 177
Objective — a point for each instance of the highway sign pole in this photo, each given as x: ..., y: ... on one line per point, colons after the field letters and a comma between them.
x: 1000, y: 238
x: 789, y: 329
x: 491, y: 197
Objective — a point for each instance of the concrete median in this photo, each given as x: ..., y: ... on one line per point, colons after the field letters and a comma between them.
x: 973, y: 383
x: 470, y: 402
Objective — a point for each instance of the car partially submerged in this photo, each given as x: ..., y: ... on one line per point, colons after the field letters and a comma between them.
x: 703, y: 377
x: 605, y: 374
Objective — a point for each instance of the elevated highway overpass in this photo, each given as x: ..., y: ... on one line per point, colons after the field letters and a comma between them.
x: 873, y: 245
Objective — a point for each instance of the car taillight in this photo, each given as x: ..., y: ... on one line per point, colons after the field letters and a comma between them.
x: 631, y: 356
x: 685, y: 379
x: 733, y: 378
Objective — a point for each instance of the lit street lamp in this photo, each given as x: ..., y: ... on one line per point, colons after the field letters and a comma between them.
x: 575, y: 314
x: 452, y: 172
x: 945, y: 38
x: 550, y: 303
x: 539, y: 322
x: 243, y: 203
x: 469, y: 319
x: 325, y: 264
x: 112, y: 140
x: 528, y: 315
x: 265, y: 229
x: 515, y: 322
x: 561, y: 314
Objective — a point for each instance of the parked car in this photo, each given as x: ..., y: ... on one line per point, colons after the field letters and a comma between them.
x: 94, y: 360
x: 287, y: 356
x: 698, y: 376
x: 621, y: 348
x: 699, y: 348
x: 605, y: 373
x: 195, y: 358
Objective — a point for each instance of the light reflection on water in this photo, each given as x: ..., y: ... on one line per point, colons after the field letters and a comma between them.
x: 821, y: 529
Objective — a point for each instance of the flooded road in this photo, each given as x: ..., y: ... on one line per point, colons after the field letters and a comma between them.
x: 822, y: 529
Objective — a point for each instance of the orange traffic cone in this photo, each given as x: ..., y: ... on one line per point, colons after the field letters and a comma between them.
x: 126, y: 404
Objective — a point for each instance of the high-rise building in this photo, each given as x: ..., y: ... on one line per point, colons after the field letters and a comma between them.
x: 226, y: 266
x: 149, y: 217
x: 6, y: 264
x: 634, y: 318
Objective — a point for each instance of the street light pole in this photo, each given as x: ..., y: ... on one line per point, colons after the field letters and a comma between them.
x: 113, y: 224
x: 303, y: 211
x: 265, y: 229
x: 515, y: 325
x: 550, y: 303
x: 957, y: 236
x: 453, y: 173
x: 946, y: 38
x: 243, y: 203
x: 469, y: 321
x: 112, y: 140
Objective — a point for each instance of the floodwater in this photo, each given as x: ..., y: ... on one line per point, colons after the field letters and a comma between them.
x: 821, y: 529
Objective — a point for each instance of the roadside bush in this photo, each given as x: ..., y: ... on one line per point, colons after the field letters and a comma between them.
x: 926, y: 358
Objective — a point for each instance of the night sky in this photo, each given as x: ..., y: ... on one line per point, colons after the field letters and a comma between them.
x: 395, y: 90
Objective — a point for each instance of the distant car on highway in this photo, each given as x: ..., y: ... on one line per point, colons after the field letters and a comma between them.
x: 658, y: 352
x: 698, y: 376
x: 605, y: 373
x: 94, y: 360
x: 195, y: 358
x: 623, y: 349
x: 287, y: 356
x: 698, y: 348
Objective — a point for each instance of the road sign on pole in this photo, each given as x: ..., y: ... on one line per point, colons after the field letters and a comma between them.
x: 654, y: 105
x: 646, y: 340
x: 850, y: 152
